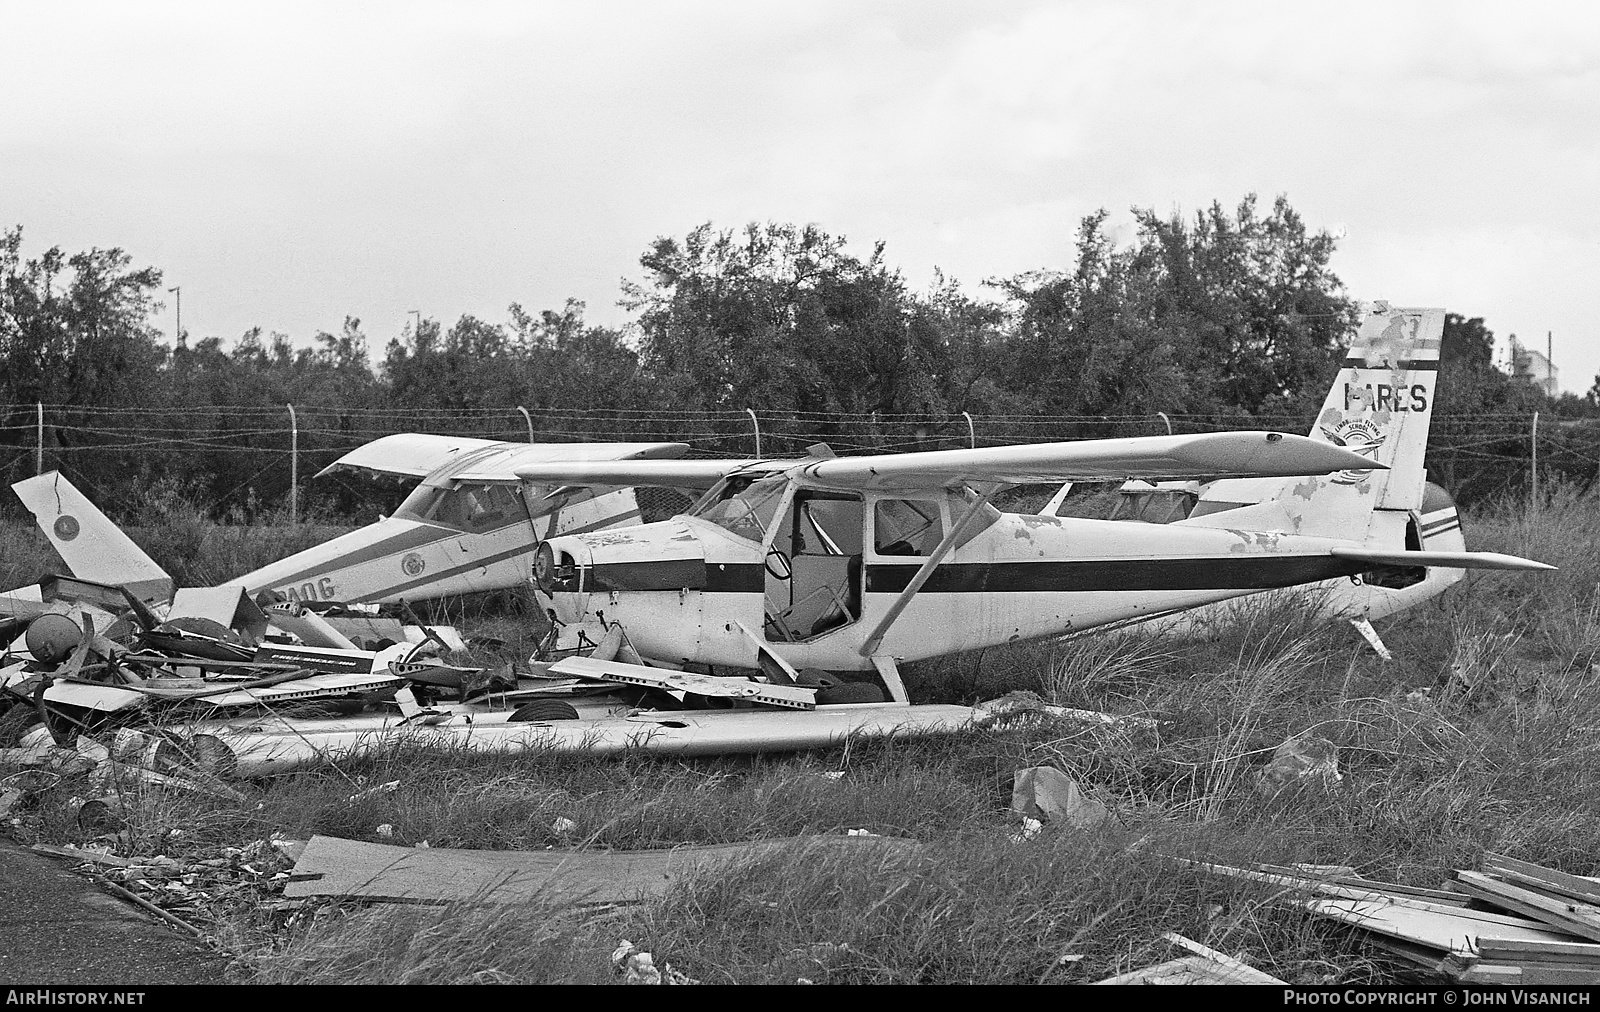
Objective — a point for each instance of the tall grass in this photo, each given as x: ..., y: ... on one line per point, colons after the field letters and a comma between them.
x: 1483, y: 733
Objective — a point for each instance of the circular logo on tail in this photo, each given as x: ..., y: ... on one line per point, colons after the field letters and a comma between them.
x: 1359, y: 436
x: 413, y: 564
x: 66, y: 527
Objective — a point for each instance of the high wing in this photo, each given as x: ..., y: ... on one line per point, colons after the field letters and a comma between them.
x: 662, y: 473
x: 1208, y: 455
x: 419, y: 454
x: 407, y: 453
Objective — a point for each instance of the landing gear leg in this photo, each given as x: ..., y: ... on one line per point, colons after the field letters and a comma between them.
x: 891, y: 677
x: 1371, y: 636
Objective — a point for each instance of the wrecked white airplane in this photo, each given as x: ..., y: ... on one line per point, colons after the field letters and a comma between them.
x: 451, y: 536
x: 854, y: 564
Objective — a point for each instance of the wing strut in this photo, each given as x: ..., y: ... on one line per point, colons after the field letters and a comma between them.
x: 870, y: 647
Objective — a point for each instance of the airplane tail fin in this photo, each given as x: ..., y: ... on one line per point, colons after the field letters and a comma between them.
x: 91, y: 545
x: 1380, y: 406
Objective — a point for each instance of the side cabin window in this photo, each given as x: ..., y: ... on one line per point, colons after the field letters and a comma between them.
x: 1154, y: 506
x: 474, y: 509
x: 906, y: 527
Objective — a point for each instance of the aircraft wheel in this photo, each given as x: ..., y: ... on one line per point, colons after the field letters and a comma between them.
x: 545, y: 709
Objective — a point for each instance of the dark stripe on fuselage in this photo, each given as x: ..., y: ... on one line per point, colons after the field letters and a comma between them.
x: 1408, y: 365
x: 668, y: 574
x: 416, y: 537
x: 1257, y: 572
x: 445, y: 575
x: 1432, y: 526
x: 421, y: 537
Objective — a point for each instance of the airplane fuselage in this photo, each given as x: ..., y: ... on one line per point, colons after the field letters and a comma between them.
x: 684, y: 587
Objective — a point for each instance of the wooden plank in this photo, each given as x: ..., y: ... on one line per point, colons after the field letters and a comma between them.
x: 1191, y: 970
x: 1247, y: 973
x: 1511, y: 949
x: 1421, y: 955
x: 1525, y: 974
x: 1539, y: 877
x: 333, y: 867
x: 89, y: 856
x: 1334, y: 874
x: 1448, y: 929
x: 1365, y: 891
x: 1565, y: 915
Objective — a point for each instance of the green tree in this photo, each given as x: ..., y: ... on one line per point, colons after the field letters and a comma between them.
x: 74, y: 329
x: 1229, y: 313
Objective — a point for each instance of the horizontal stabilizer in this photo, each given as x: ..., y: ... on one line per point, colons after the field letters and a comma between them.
x: 1450, y: 560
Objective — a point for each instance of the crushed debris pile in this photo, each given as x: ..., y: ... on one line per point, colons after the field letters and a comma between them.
x: 1514, y: 922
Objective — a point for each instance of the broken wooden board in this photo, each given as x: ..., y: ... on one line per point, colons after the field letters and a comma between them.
x: 1526, y: 873
x: 1192, y: 970
x: 1447, y: 929
x: 1345, y: 876
x: 1571, y: 916
x: 1507, y: 950
x: 788, y: 696
x: 333, y: 867
x: 1340, y: 887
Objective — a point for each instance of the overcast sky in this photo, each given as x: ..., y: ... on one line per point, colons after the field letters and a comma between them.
x: 291, y: 164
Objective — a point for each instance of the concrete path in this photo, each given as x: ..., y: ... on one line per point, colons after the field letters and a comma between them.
x: 57, y: 927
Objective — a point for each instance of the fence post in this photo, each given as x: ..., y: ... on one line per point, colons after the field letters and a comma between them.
x: 1533, y: 501
x: 529, y: 420
x: 38, y: 451
x: 294, y: 468
x: 752, y: 413
x: 972, y: 434
x: 1164, y: 418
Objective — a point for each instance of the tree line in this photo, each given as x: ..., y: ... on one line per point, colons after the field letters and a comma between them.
x: 1230, y: 313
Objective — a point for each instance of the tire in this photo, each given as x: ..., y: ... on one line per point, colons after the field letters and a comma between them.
x: 545, y: 709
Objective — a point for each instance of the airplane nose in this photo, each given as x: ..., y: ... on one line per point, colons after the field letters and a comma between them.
x: 563, y: 564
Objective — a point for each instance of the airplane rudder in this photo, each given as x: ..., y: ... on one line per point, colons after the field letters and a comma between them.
x: 1381, y: 404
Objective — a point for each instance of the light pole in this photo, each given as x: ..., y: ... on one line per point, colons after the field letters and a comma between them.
x: 416, y: 334
x: 177, y: 290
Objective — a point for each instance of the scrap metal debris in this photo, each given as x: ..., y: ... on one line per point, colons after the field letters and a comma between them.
x: 1303, y: 759
x: 244, y: 687
x: 638, y: 967
x: 1041, y: 794
x: 1526, y: 923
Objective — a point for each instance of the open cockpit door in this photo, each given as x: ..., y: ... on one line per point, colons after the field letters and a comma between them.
x: 814, y: 578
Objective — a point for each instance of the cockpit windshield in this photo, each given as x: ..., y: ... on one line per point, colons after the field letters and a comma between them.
x: 743, y: 506
x: 475, y: 509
